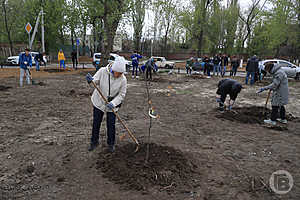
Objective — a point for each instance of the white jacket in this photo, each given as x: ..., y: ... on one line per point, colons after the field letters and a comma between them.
x: 118, y: 88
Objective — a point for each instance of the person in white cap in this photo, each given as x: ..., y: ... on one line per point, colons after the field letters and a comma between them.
x: 113, y: 84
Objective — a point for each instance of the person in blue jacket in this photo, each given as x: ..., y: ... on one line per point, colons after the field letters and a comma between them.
x: 135, y: 63
x: 25, y: 61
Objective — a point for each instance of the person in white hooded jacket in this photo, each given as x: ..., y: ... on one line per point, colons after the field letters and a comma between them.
x: 112, y: 83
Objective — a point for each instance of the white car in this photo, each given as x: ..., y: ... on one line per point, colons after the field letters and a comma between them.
x: 14, y: 60
x: 291, y: 70
x: 113, y: 56
x: 161, y: 62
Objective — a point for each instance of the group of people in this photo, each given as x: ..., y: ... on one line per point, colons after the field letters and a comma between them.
x: 147, y: 68
x: 113, y: 83
x: 279, y: 87
x: 217, y: 64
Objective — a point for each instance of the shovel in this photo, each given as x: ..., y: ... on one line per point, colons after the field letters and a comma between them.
x: 30, y: 75
x: 118, y: 117
x: 267, y: 100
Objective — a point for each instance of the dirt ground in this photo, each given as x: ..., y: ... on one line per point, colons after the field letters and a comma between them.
x: 196, y: 152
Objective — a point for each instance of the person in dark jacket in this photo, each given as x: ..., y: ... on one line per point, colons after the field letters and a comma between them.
x: 150, y: 65
x: 74, y: 59
x: 234, y: 65
x: 207, y: 65
x: 280, y: 96
x: 39, y: 58
x: 189, y: 65
x: 217, y: 67
x: 224, y: 62
x: 225, y: 87
x: 251, y: 68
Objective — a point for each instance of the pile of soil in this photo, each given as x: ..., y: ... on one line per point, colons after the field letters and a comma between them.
x: 54, y: 70
x: 249, y: 115
x: 4, y: 88
x: 167, y: 169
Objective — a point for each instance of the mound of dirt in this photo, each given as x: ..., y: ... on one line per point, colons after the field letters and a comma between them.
x: 249, y: 115
x: 4, y: 88
x: 54, y: 70
x: 168, y: 169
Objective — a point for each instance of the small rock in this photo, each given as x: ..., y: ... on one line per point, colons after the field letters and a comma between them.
x: 30, y: 169
x: 61, y: 179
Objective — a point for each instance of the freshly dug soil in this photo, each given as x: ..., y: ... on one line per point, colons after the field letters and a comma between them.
x: 4, y: 88
x: 249, y: 115
x: 168, y: 168
x: 54, y: 70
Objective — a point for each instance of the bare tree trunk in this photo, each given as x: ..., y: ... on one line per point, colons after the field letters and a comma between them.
x: 7, y: 29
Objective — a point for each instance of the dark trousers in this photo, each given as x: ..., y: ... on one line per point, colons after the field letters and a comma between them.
x: 233, y: 71
x: 274, y: 114
x: 110, y: 123
x: 135, y: 69
x: 75, y: 63
x: 149, y: 72
x: 207, y: 69
x: 188, y: 70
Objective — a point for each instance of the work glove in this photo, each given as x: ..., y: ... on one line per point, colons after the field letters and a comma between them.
x: 261, y: 90
x: 25, y: 62
x: 89, y: 78
x: 110, y: 105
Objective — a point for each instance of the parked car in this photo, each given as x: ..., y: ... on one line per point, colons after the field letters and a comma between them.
x: 113, y: 56
x: 161, y: 62
x: 14, y: 60
x: 291, y: 70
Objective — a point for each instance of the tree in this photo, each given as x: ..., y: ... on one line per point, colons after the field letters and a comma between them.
x: 111, y: 12
x: 250, y: 18
x: 9, y: 11
x: 138, y: 8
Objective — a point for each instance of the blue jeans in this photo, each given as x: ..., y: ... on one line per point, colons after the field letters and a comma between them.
x: 217, y: 68
x: 62, y: 63
x: 252, y: 78
x: 223, y: 71
x: 110, y: 123
x: 37, y: 65
x: 135, y: 68
x: 22, y: 73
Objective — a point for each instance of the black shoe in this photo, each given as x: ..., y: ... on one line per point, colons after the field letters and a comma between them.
x: 93, y: 146
x: 111, y: 148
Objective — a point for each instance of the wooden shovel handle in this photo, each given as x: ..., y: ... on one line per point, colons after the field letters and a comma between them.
x: 117, y: 115
x: 269, y: 94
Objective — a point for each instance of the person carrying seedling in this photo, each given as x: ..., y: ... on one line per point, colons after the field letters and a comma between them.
x: 112, y: 83
x: 280, y: 96
x: 225, y: 87
x: 135, y: 64
x: 61, y: 59
x: 25, y: 60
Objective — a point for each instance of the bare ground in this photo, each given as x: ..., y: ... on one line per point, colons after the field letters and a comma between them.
x: 197, y: 152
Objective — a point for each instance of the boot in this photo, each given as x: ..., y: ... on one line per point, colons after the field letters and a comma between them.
x: 111, y: 148
x: 93, y: 146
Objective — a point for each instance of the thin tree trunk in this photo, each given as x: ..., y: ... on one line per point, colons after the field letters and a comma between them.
x: 7, y: 29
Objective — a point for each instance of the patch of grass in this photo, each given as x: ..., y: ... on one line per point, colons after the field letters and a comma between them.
x: 184, y: 92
